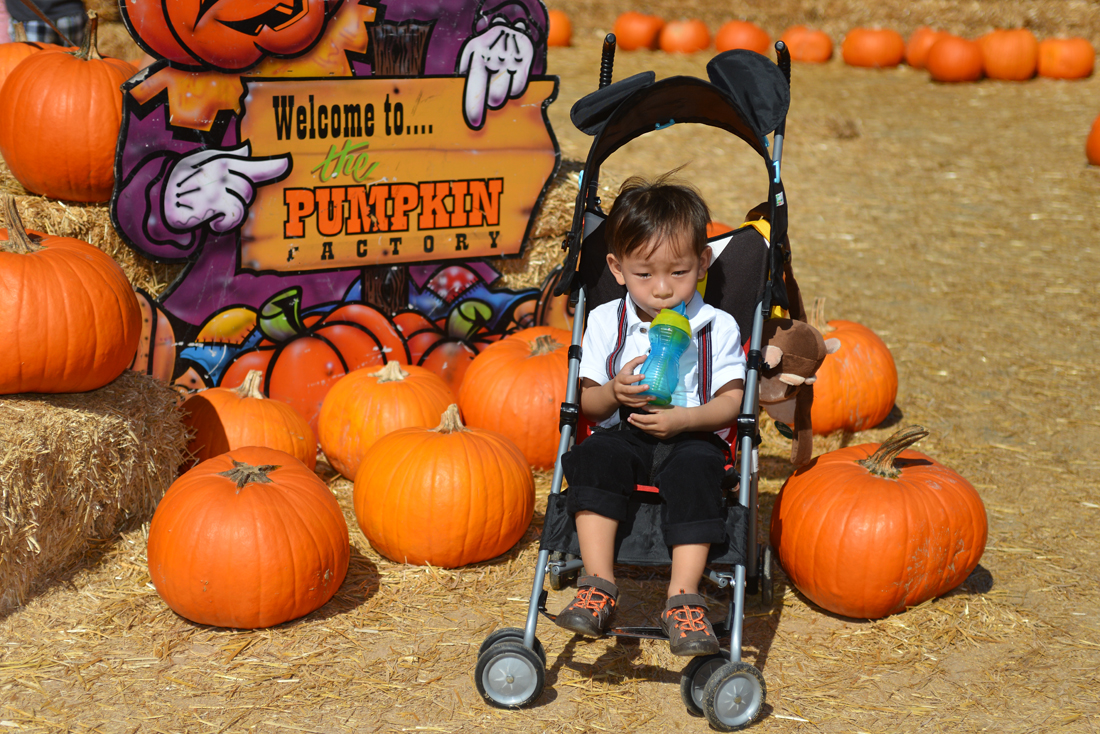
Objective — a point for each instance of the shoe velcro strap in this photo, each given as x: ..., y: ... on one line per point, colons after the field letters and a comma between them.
x: 598, y: 583
x: 686, y: 600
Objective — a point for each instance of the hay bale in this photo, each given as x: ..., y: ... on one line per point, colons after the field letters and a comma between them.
x: 78, y: 468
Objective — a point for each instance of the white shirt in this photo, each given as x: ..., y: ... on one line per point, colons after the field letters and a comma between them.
x: 601, y: 334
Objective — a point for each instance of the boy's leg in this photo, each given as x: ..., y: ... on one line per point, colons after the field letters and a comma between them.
x: 596, y: 534
x: 689, y: 560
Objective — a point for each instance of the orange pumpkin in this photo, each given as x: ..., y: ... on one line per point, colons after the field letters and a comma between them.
x: 15, y: 51
x: 684, y: 36
x: 448, y: 496
x: 856, y: 386
x: 742, y: 34
x: 1011, y: 55
x: 71, y: 321
x: 637, y: 30
x: 60, y: 114
x: 867, y: 531
x: 716, y: 228
x: 365, y: 405
x: 448, y: 358
x: 251, y: 538
x: 954, y: 59
x: 516, y: 387
x: 874, y: 48
x: 919, y: 44
x: 561, y: 29
x: 225, y: 418
x: 1066, y: 58
x: 1092, y: 143
x: 808, y: 45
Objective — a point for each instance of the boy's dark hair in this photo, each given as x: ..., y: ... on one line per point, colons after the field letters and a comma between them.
x: 646, y: 209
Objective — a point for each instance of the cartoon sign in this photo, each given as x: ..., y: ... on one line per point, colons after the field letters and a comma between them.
x: 337, y: 177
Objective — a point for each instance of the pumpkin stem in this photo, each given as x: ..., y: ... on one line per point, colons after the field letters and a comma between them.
x: 19, y: 33
x: 451, y: 421
x: 392, y: 372
x: 19, y: 241
x: 544, y: 344
x: 250, y: 388
x: 89, y: 47
x: 817, y: 316
x: 244, y: 474
x: 881, y: 463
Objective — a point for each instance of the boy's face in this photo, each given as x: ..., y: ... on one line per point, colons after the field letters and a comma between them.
x: 660, y: 274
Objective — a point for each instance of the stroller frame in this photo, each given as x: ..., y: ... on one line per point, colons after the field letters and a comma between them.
x: 510, y: 670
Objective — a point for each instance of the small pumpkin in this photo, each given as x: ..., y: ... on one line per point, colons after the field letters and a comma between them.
x: 1011, y: 55
x: 808, y: 44
x: 560, y: 29
x: 1066, y: 58
x: 60, y: 115
x: 71, y: 321
x: 919, y: 44
x: 742, y: 34
x: 867, y: 531
x: 224, y: 418
x: 516, y: 387
x: 251, y: 538
x: 856, y: 386
x: 684, y: 36
x: 1092, y: 143
x: 875, y: 48
x: 635, y: 30
x: 365, y: 405
x: 954, y: 59
x: 16, y: 50
x: 447, y: 497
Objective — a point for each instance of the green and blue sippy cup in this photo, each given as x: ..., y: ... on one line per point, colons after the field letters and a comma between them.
x: 669, y: 336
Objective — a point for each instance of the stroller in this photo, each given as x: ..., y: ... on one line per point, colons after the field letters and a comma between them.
x: 748, y: 96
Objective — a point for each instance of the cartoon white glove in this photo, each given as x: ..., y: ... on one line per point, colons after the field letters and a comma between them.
x: 496, y: 64
x: 216, y: 186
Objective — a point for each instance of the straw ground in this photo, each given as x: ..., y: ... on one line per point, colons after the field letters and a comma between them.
x: 959, y: 222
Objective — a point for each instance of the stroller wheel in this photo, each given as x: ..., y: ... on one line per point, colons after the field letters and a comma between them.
x: 767, y: 577
x: 510, y: 633
x: 734, y: 696
x: 694, y: 679
x: 509, y: 675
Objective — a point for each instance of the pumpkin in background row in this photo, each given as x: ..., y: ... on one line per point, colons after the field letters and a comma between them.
x: 1092, y: 143
x: 637, y: 30
x: 251, y: 538
x: 447, y: 496
x: 1011, y: 55
x: 954, y: 59
x: 561, y: 29
x: 867, y: 531
x: 60, y: 114
x: 919, y: 44
x: 70, y: 319
x: 224, y: 418
x: 684, y: 36
x: 742, y: 34
x: 366, y: 404
x: 516, y: 387
x: 807, y: 44
x: 874, y: 48
x: 1066, y: 58
x: 856, y: 386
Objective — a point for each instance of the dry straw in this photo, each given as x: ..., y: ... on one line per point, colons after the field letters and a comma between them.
x: 77, y: 468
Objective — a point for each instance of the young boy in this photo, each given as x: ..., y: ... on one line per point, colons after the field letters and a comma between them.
x: 656, y: 233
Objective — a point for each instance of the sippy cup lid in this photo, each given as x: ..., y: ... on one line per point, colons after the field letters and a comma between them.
x: 674, y: 317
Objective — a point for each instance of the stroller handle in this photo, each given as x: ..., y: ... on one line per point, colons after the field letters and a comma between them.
x: 607, y: 60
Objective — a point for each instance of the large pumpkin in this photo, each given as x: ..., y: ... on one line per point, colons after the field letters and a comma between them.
x: 516, y: 387
x: 447, y: 496
x: 856, y: 386
x: 1012, y: 55
x: 1066, y: 58
x: 870, y: 530
x: 15, y: 51
x: 70, y: 320
x: 954, y: 59
x: 808, y: 44
x: 60, y: 114
x: 225, y: 418
x: 250, y: 538
x: 366, y: 404
x: 873, y: 47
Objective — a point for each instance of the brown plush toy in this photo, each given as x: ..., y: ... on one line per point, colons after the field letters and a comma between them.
x: 793, y: 352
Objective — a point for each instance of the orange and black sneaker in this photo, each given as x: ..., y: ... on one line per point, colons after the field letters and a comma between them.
x: 685, y: 622
x: 590, y: 611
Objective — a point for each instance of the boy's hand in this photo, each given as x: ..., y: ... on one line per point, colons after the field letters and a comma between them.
x: 664, y: 421
x: 625, y: 386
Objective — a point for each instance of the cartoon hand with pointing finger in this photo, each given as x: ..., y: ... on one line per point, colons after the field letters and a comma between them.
x: 215, y: 187
x: 496, y: 63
